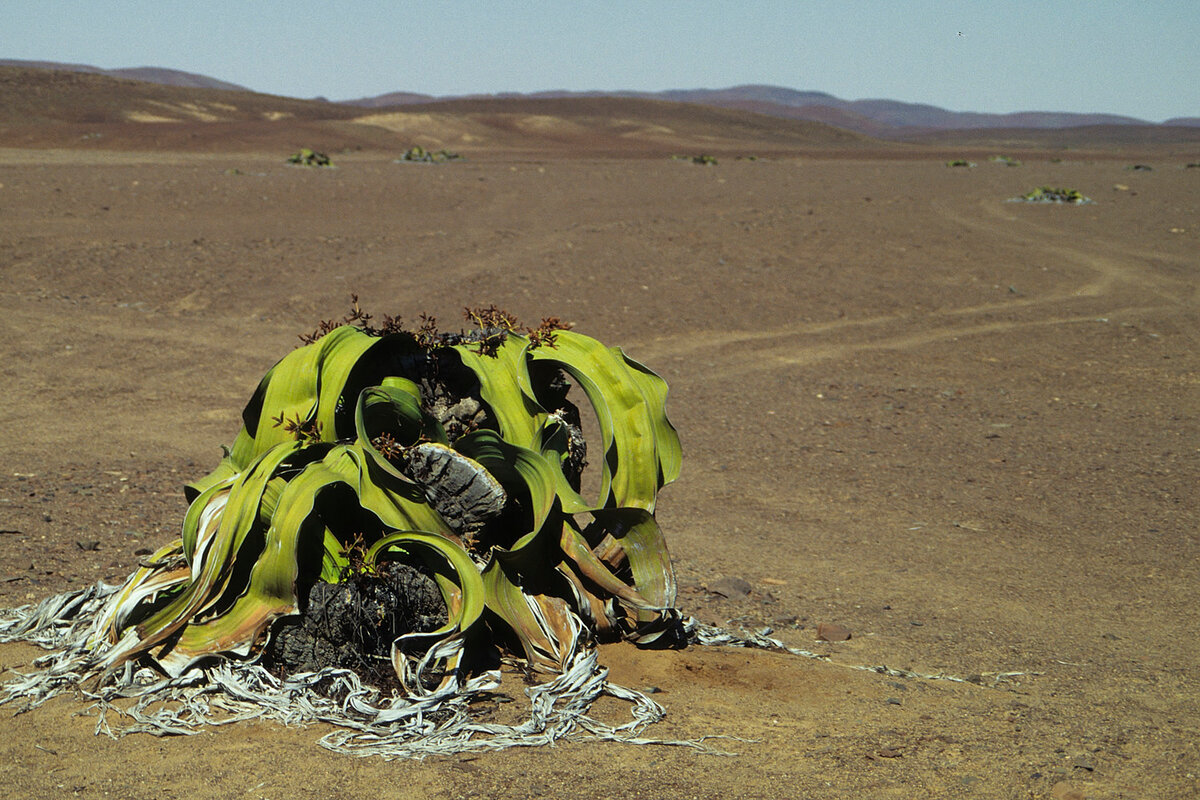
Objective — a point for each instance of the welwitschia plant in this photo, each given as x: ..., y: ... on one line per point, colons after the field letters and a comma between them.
x: 459, y: 455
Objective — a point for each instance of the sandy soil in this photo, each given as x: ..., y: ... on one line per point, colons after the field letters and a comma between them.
x: 963, y: 428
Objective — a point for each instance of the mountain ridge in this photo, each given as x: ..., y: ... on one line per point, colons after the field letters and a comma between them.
x: 874, y: 117
x: 877, y: 117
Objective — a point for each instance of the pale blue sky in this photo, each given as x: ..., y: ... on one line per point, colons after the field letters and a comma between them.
x: 1134, y: 57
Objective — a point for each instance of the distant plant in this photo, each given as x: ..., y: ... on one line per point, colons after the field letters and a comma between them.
x: 1140, y: 168
x: 706, y: 160
x: 1049, y: 194
x: 1005, y: 160
x: 420, y: 155
x: 960, y: 162
x: 1192, y: 165
x: 309, y: 158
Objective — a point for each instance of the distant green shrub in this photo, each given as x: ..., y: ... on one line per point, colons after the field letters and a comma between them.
x: 309, y: 158
x: 420, y: 155
x: 1140, y: 168
x: 960, y: 162
x: 1048, y: 194
x: 1005, y: 160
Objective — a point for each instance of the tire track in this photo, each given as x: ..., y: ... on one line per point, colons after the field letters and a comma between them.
x: 786, y: 345
x: 1110, y: 272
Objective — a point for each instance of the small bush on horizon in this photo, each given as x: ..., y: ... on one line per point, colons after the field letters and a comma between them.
x: 960, y: 162
x: 1049, y: 194
x: 1007, y: 161
x: 420, y: 155
x: 305, y: 157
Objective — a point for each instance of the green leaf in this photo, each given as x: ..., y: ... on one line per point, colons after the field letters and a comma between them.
x: 219, y: 541
x: 629, y: 403
x: 271, y: 589
x: 543, y: 623
x: 307, y: 385
x: 504, y: 385
x: 394, y: 410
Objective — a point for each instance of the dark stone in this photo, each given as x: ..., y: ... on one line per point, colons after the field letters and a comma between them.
x: 732, y: 587
x: 353, y: 624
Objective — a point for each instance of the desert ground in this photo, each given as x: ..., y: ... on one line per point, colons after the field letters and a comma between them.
x: 963, y: 428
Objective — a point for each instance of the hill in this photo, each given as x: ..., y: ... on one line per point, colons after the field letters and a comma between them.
x: 878, y: 117
x: 168, y: 77
x: 42, y: 96
x: 604, y: 124
x: 59, y: 108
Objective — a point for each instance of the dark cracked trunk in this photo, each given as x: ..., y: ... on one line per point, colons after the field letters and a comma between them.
x: 353, y: 624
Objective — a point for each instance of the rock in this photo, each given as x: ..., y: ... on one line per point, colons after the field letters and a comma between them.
x: 1064, y: 791
x: 829, y: 632
x: 731, y: 587
x: 1084, y: 763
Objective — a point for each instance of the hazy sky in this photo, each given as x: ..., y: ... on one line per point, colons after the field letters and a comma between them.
x: 1134, y: 57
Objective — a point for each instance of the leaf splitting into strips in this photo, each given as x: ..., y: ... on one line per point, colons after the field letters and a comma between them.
x: 203, y: 519
x: 271, y: 589
x: 544, y: 624
x: 146, y: 583
x: 524, y: 591
x: 238, y: 518
x: 645, y: 550
x: 462, y: 589
x: 576, y: 548
x: 595, y: 610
